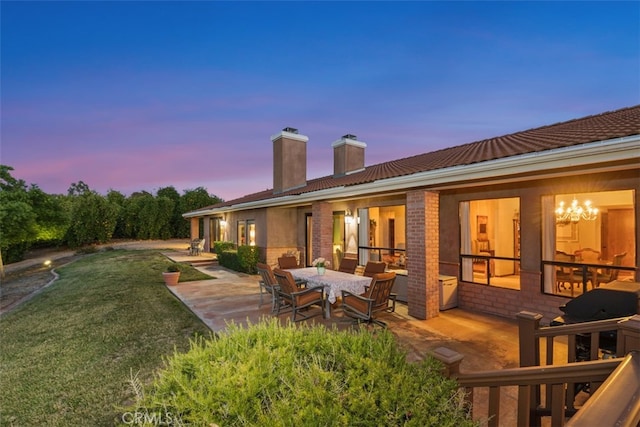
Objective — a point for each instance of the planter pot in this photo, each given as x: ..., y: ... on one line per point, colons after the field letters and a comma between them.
x: 171, y: 278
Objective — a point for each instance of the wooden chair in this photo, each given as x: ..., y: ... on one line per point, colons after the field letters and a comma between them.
x: 365, y: 307
x: 566, y: 274
x: 588, y: 256
x: 482, y: 265
x: 348, y: 265
x: 268, y: 284
x: 297, y: 297
x: 611, y: 274
x: 374, y: 267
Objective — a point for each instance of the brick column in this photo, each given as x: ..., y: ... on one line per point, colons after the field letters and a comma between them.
x: 423, y: 252
x: 322, y: 244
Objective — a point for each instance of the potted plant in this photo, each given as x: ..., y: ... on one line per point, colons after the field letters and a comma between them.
x: 171, y: 275
x: 321, y: 264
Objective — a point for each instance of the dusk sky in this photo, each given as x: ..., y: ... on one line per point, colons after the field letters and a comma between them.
x: 142, y: 95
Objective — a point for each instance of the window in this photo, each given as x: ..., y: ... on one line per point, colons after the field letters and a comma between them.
x: 382, y: 235
x: 252, y: 232
x: 490, y: 242
x: 247, y: 233
x: 242, y: 233
x: 578, y: 252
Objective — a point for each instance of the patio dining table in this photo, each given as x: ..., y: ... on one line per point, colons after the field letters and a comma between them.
x: 334, y: 282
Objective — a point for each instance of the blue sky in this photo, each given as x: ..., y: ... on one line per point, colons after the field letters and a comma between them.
x: 141, y: 95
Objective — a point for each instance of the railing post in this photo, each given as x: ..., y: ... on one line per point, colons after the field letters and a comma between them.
x: 628, y: 336
x: 529, y: 344
x: 451, y: 360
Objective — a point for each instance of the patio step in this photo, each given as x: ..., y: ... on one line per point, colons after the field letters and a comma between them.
x: 204, y: 262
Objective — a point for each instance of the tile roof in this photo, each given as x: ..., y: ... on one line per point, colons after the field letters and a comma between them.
x: 601, y: 127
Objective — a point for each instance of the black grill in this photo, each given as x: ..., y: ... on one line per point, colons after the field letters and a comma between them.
x: 609, y: 301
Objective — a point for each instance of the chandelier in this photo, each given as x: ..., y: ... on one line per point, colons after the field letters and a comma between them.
x: 575, y: 212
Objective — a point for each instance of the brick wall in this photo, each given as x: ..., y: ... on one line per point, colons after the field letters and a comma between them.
x: 508, y: 302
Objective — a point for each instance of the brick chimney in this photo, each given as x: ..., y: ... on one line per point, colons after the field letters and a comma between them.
x: 348, y: 155
x: 289, y: 160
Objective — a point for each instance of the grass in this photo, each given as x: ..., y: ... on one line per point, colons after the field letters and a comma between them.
x: 68, y: 355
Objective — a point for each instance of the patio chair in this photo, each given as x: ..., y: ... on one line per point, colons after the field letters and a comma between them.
x: 365, y: 307
x: 374, y: 267
x: 296, y: 297
x: 348, y: 265
x: 287, y: 262
x: 200, y: 247
x: 268, y: 284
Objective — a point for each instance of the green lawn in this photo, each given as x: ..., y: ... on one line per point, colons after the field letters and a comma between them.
x: 67, y: 355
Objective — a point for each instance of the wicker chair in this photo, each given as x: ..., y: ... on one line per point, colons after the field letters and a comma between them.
x: 297, y: 297
x: 365, y: 307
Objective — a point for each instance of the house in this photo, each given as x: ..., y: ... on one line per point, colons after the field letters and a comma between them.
x: 496, y: 214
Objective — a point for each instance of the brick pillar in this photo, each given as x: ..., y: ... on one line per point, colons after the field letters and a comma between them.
x: 423, y: 252
x: 322, y: 244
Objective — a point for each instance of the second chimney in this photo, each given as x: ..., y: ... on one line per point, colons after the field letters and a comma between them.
x: 289, y: 160
x: 348, y: 155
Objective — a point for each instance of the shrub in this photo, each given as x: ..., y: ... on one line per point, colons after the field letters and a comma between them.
x: 272, y: 375
x: 243, y: 259
x: 248, y: 258
x: 219, y: 247
x: 173, y: 268
x: 229, y: 259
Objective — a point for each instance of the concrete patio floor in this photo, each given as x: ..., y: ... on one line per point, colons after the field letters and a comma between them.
x: 487, y: 342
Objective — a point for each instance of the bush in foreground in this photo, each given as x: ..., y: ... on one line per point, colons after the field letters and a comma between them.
x: 273, y: 375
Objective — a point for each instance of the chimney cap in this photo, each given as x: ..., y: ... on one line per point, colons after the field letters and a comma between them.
x: 350, y: 136
x: 290, y: 130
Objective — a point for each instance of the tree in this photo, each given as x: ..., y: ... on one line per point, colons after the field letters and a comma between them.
x: 78, y: 188
x: 93, y: 219
x: 17, y: 217
x: 192, y: 200
x: 176, y: 220
x: 52, y: 216
x: 119, y: 199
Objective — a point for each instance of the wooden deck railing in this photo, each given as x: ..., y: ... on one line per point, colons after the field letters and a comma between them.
x: 557, y: 382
